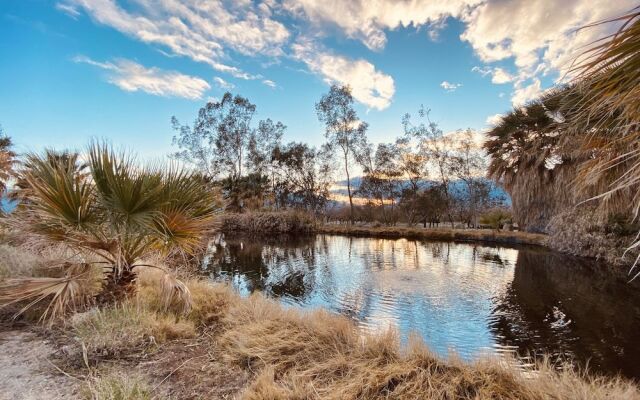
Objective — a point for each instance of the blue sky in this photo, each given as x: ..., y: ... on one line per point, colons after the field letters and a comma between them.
x: 75, y: 69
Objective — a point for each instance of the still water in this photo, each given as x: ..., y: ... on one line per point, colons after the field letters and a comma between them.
x: 461, y: 298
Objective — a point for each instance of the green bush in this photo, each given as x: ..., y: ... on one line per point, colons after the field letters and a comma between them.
x: 496, y: 218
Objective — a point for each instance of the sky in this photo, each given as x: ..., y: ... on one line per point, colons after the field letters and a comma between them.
x: 72, y: 70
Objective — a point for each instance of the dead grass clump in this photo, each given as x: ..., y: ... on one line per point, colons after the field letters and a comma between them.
x: 317, y: 355
x: 207, y: 302
x: 268, y: 222
x: 117, y: 386
x: 127, y: 329
x: 17, y: 263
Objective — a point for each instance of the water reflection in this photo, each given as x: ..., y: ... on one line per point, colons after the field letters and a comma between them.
x: 465, y: 298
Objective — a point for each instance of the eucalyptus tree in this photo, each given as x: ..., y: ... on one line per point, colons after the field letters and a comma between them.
x: 382, y: 178
x: 469, y: 166
x: 304, y: 176
x: 436, y: 149
x: 344, y: 131
x: 224, y: 145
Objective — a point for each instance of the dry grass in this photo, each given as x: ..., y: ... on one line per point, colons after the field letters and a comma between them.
x: 253, y: 348
x: 447, y: 234
x: 321, y: 356
x: 127, y: 329
x: 117, y: 386
x: 268, y: 222
x: 16, y: 263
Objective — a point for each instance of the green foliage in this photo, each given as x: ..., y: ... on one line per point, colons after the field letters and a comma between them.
x: 496, y: 219
x: 113, y: 212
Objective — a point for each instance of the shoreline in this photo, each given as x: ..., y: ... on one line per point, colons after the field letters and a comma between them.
x: 448, y: 234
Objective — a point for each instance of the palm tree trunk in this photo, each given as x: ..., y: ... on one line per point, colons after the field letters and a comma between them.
x: 117, y: 288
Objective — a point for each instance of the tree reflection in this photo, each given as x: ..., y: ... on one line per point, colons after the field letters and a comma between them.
x: 570, y: 309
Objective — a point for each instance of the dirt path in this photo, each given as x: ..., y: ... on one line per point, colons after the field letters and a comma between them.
x: 25, y: 373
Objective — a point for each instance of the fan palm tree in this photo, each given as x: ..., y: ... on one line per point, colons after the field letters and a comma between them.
x: 525, y: 157
x: 603, y: 114
x: 7, y: 161
x: 114, y: 213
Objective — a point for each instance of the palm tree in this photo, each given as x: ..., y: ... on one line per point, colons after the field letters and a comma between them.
x: 526, y: 158
x: 113, y: 213
x: 7, y: 160
x: 603, y: 114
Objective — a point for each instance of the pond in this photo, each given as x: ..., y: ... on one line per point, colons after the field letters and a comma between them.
x: 467, y: 299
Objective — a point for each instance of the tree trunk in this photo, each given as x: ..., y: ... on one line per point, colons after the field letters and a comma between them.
x: 117, y: 288
x: 346, y: 168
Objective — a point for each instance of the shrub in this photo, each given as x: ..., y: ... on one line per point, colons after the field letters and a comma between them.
x: 268, y: 222
x: 127, y: 328
x: 496, y: 218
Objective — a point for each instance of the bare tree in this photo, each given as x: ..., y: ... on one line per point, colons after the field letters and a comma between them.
x: 343, y: 129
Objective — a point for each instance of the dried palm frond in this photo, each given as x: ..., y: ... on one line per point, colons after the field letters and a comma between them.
x: 71, y: 292
x: 174, y: 292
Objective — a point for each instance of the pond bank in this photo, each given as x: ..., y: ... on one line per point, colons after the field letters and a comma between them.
x: 253, y: 348
x: 444, y: 234
x: 296, y: 222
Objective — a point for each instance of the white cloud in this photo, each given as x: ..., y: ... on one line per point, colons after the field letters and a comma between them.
x: 539, y: 37
x: 269, y: 83
x: 493, y: 120
x: 133, y: 77
x: 68, y: 9
x: 196, y: 29
x: 222, y: 84
x: 367, y: 20
x: 501, y: 76
x: 498, y: 75
x: 450, y: 87
x: 525, y: 93
x: 369, y: 86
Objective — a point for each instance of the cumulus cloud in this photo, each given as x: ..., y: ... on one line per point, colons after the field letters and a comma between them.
x: 524, y: 93
x: 498, y: 75
x: 132, y: 77
x: 539, y: 37
x: 196, y: 29
x: 530, y: 40
x: 222, y: 84
x: 367, y: 20
x: 494, y: 120
x: 369, y: 86
x: 450, y: 87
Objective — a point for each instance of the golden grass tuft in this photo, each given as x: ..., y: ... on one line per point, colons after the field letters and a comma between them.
x: 126, y: 329
x: 117, y: 386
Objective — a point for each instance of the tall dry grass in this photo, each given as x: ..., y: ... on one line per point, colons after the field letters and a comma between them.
x: 317, y: 355
x: 268, y: 222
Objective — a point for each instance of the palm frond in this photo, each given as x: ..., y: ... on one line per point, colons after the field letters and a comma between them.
x: 70, y: 292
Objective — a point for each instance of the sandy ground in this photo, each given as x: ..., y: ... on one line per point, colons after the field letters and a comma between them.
x: 26, y: 373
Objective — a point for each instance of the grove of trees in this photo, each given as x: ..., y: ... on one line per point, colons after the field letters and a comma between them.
x: 424, y: 176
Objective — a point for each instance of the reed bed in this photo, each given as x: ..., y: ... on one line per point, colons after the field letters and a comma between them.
x: 268, y: 222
